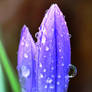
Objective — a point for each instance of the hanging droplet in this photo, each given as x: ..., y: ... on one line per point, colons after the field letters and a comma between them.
x: 37, y: 34
x: 72, y: 71
x: 70, y: 35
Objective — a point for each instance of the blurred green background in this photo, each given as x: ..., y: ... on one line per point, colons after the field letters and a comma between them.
x: 78, y: 14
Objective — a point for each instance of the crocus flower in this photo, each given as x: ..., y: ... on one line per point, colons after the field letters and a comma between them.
x: 43, y: 66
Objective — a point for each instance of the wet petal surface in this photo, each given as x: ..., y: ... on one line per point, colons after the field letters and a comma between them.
x: 54, y: 52
x: 26, y: 62
x: 44, y: 66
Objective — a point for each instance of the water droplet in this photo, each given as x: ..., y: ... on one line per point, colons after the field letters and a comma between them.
x: 52, y: 68
x: 43, y: 39
x: 52, y: 76
x: 61, y: 57
x: 59, y: 76
x: 65, y: 85
x: 44, y: 70
x: 47, y: 48
x: 40, y: 65
x: 72, y: 71
x: 22, y: 81
x: 61, y: 13
x: 51, y: 87
x: 65, y: 23
x: 49, y: 80
x: 58, y: 83
x: 37, y: 34
x: 44, y: 31
x: 41, y: 75
x: 45, y: 86
x: 25, y: 55
x: 62, y: 64
x: 59, y: 50
x: 61, y: 35
x: 70, y: 35
x: 25, y: 71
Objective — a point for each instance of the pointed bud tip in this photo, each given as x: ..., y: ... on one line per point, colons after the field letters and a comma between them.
x: 56, y: 9
x: 24, y: 30
x: 26, y: 43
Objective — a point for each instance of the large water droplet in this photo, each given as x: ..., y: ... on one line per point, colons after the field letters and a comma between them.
x: 25, y: 71
x: 72, y: 71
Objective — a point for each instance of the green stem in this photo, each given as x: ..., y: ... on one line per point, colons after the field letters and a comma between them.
x: 2, y: 81
x: 9, y: 70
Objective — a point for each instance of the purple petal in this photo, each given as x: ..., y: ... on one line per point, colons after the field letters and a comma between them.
x: 54, y: 52
x: 26, y: 61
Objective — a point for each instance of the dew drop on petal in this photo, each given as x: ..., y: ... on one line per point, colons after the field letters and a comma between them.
x: 59, y: 50
x: 52, y: 76
x: 61, y: 57
x: 25, y: 71
x: 25, y: 55
x: 44, y: 31
x: 40, y: 65
x: 43, y: 40
x: 47, y: 48
x: 41, y: 75
x: 58, y: 83
x: 44, y: 70
x: 61, y: 35
x: 51, y: 87
x: 59, y: 76
x: 49, y: 80
x: 62, y: 64
x: 45, y: 86
x: 52, y: 68
x: 69, y: 35
x: 65, y: 86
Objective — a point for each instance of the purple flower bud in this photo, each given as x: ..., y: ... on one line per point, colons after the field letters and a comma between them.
x: 54, y: 53
x: 44, y: 66
x: 26, y: 61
